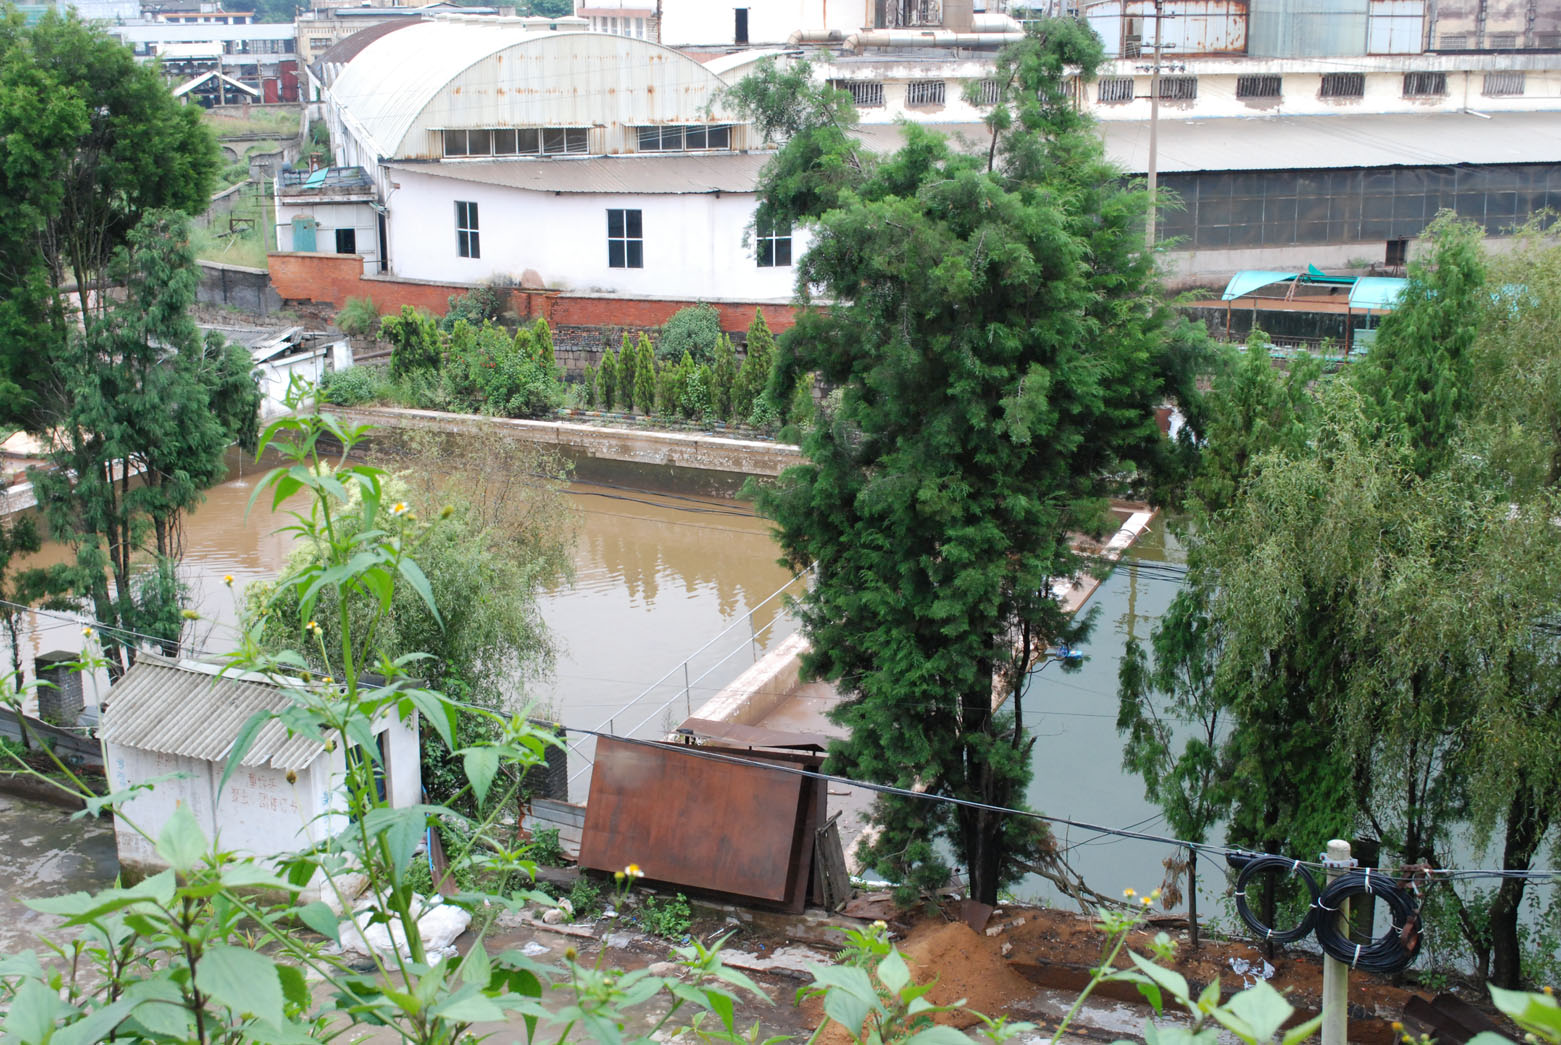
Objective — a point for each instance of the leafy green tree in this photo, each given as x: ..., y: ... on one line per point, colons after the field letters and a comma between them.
x: 589, y: 381
x: 18, y: 536
x: 722, y: 377
x: 754, y: 375
x: 140, y: 392
x: 628, y: 361
x: 996, y: 350
x: 695, y: 330
x: 543, y: 339
x: 414, y: 339
x: 1420, y: 370
x: 644, y: 376
x: 94, y: 143
x: 607, y: 379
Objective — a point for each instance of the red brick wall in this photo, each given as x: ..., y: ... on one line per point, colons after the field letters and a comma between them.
x: 333, y: 278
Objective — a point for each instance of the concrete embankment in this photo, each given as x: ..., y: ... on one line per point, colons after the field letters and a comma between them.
x: 695, y: 451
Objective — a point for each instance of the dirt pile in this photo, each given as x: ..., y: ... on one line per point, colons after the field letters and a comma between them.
x: 965, y: 965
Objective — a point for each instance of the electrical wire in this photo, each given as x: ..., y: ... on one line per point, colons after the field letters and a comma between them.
x: 1083, y: 825
x: 1250, y: 869
x: 1391, y: 952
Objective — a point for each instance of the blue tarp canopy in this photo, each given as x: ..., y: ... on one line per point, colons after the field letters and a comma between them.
x: 1248, y: 280
x: 1376, y: 292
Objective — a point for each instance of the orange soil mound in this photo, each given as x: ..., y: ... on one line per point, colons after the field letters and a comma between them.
x: 965, y: 965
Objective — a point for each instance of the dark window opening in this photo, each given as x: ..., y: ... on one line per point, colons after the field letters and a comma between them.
x: 1397, y: 253
x: 466, y: 241
x: 740, y: 33
x: 1259, y: 86
x: 1344, y: 85
x: 774, y: 245
x: 1178, y: 88
x: 625, y: 240
x: 1425, y: 85
x: 346, y: 241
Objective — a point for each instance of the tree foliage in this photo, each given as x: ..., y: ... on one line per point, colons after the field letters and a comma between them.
x: 93, y: 144
x: 695, y: 330
x: 140, y: 392
x: 995, y: 350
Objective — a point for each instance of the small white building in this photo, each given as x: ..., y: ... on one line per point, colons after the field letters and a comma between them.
x: 605, y: 163
x: 178, y: 717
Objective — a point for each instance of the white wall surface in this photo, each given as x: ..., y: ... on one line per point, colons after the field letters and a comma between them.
x: 693, y: 243
x: 769, y: 21
x: 260, y: 812
x: 331, y: 216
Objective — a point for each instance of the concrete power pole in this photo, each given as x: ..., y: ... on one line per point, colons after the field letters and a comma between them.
x: 1336, y: 975
x: 1154, y: 131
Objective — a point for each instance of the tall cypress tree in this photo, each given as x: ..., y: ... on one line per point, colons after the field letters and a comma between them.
x: 627, y: 363
x: 607, y: 379
x: 722, y: 378
x: 996, y: 348
x: 645, y: 375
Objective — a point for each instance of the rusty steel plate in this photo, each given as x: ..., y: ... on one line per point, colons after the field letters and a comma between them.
x: 694, y: 821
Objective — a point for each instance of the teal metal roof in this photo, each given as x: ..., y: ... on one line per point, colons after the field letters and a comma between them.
x: 1248, y: 280
x: 1376, y: 292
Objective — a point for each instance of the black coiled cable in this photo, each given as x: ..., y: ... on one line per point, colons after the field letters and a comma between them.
x: 1262, y: 865
x: 1391, y: 952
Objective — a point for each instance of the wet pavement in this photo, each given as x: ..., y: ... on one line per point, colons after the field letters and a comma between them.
x: 44, y: 852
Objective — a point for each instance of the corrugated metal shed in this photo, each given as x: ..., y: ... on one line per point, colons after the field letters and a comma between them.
x: 671, y: 174
x: 1306, y: 28
x: 448, y: 73
x: 187, y: 710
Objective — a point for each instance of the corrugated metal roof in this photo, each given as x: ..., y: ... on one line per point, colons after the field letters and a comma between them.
x: 493, y: 73
x: 667, y: 174
x: 188, y: 710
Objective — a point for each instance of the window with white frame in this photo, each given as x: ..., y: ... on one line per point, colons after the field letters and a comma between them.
x: 517, y: 141
x: 683, y: 137
x: 773, y: 242
x: 924, y: 92
x: 625, y: 239
x: 466, y: 239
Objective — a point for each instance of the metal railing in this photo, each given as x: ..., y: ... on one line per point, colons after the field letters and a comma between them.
x: 684, y: 681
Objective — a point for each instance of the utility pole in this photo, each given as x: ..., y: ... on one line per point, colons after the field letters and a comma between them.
x: 1336, y: 975
x: 1154, y: 130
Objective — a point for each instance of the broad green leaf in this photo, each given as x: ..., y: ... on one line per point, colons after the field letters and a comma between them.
x: 319, y: 917
x: 440, y: 713
x: 241, y: 745
x: 1255, y: 1014
x: 1302, y: 1031
x: 846, y: 1009
x: 250, y: 875
x: 722, y: 1005
x: 32, y: 1014
x: 895, y: 973
x: 1539, y: 1013
x: 475, y: 967
x: 1210, y: 996
x: 414, y: 576
x: 1174, y: 983
x: 181, y: 843
x: 295, y: 987
x: 481, y: 763
x: 243, y: 980
x: 1486, y: 1037
x: 469, y: 1005
x: 938, y: 1034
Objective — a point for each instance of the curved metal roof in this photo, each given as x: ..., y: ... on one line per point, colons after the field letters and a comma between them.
x: 450, y: 72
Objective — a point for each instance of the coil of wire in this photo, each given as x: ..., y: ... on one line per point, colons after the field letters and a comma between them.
x: 1391, y: 952
x: 1256, y: 865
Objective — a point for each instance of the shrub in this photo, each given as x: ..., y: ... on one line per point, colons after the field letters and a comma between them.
x: 355, y: 386
x: 607, y: 379
x: 694, y: 330
x: 358, y: 317
x: 667, y: 917
x: 414, y: 341
x: 644, y: 376
x: 487, y: 303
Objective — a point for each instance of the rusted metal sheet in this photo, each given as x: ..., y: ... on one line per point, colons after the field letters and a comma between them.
x: 1190, y: 27
x: 741, y: 829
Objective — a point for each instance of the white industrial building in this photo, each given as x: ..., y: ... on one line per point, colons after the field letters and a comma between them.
x: 604, y: 163
x: 176, y: 722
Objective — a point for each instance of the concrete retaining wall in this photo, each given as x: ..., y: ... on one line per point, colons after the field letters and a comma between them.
x: 237, y: 287
x: 750, y: 697
x: 662, y: 449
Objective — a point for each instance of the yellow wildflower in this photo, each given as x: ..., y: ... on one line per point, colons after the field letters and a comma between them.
x: 87, y: 632
x: 227, y: 578
x: 1129, y: 892
x: 633, y: 871
x: 399, y: 509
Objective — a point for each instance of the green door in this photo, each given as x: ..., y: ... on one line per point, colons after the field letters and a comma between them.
x: 303, y: 233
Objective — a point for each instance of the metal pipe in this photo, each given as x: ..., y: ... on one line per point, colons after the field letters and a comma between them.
x: 815, y: 36
x: 927, y: 38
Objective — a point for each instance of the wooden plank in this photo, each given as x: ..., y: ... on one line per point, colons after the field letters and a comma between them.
x: 832, y: 880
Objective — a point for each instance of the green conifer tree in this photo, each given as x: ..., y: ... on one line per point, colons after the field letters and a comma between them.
x: 607, y: 379
x: 755, y: 372
x: 645, y: 375
x: 543, y: 336
x: 627, y: 363
x: 722, y: 377
x: 590, y: 387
